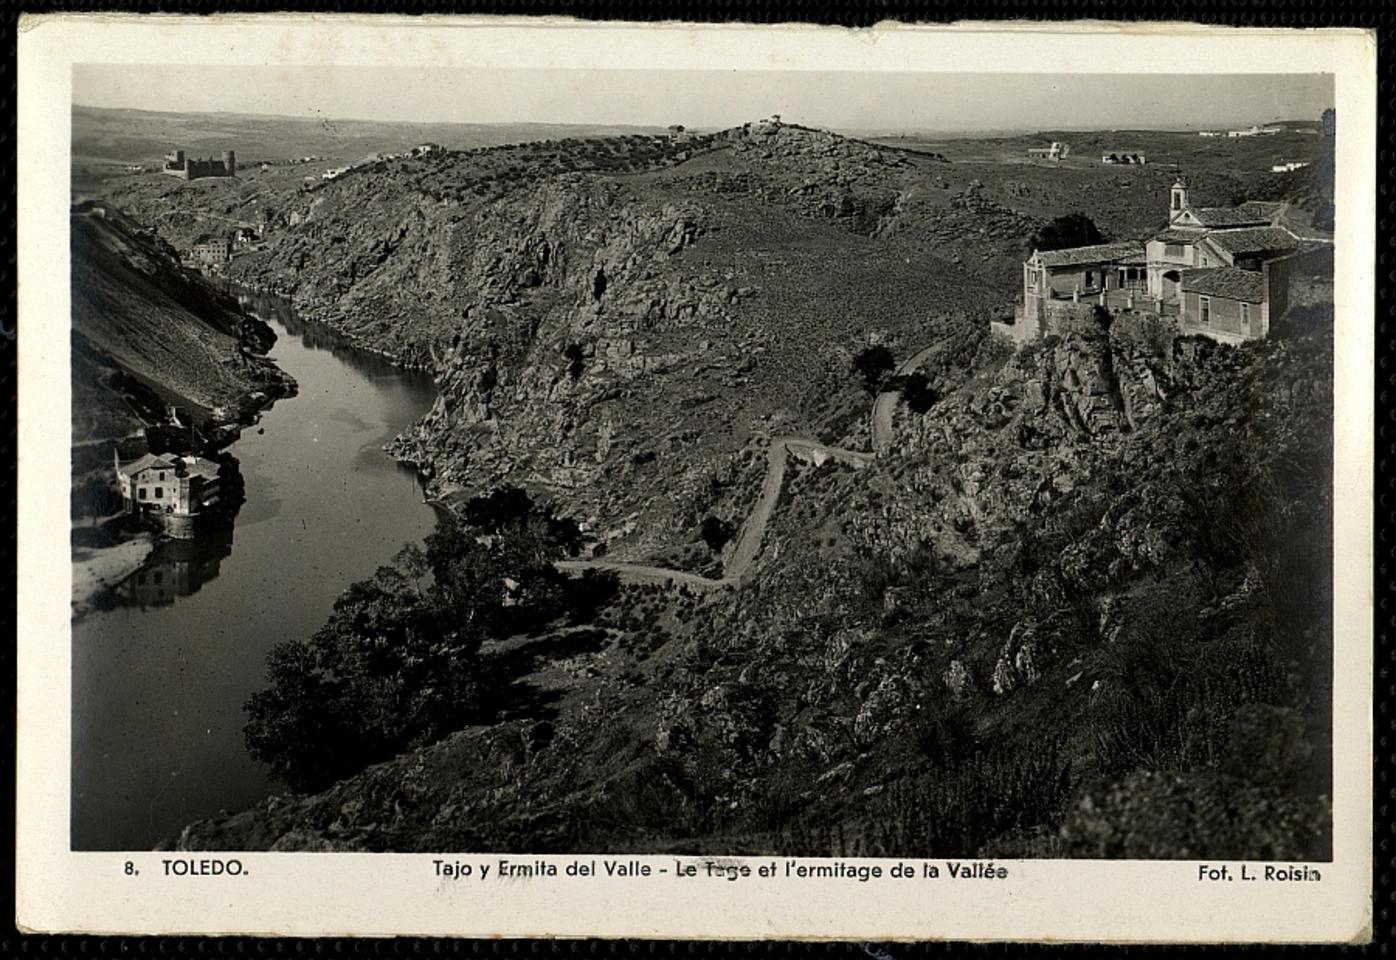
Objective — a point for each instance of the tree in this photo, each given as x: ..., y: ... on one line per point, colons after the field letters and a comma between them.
x: 379, y: 676
x: 917, y: 392
x: 397, y: 664
x: 873, y: 364
x: 1071, y: 230
x: 576, y: 360
x: 716, y: 532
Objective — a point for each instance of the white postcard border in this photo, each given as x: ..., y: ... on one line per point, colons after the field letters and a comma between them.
x: 382, y: 894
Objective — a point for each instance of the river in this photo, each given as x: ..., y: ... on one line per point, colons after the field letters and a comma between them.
x: 160, y: 678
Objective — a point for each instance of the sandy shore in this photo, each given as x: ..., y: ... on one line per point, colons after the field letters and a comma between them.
x: 94, y: 570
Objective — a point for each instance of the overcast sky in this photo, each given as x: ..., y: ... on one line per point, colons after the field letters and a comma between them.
x: 846, y: 101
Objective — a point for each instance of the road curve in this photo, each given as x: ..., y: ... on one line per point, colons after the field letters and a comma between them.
x: 753, y: 529
x: 886, y: 403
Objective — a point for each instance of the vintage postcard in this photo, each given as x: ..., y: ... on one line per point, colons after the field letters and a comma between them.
x: 506, y: 477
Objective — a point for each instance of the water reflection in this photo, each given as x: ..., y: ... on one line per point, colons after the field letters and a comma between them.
x: 177, y: 568
x: 160, y: 677
x: 318, y: 336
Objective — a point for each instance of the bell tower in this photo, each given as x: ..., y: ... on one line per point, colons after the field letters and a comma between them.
x: 1177, y: 199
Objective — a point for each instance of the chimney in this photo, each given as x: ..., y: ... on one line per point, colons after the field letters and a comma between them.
x: 229, y: 162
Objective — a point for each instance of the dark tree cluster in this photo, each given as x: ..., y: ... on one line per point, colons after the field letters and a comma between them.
x: 1071, y: 230
x: 398, y: 664
x: 873, y: 364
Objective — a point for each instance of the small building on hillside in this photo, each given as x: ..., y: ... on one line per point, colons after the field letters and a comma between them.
x: 1084, y: 271
x: 1236, y: 303
x: 1056, y: 151
x: 211, y: 251
x: 1224, y: 272
x: 1180, y: 245
x: 1224, y: 303
x: 173, y: 489
x: 1125, y: 158
x: 1254, y: 130
x: 187, y: 168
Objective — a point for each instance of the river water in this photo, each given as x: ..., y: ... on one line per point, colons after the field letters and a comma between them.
x: 160, y: 679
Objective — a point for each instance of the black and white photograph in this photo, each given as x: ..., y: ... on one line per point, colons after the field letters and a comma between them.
x: 818, y: 465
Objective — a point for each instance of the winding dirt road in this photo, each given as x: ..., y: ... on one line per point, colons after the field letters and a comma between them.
x: 886, y: 403
x: 753, y: 529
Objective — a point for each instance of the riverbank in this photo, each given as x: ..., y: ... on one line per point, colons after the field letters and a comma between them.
x: 162, y: 672
x: 98, y: 569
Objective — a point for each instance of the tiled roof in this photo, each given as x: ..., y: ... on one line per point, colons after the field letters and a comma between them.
x: 145, y: 463
x: 1230, y: 283
x: 1254, y: 240
x: 1269, y: 209
x: 1228, y: 216
x: 1180, y: 235
x: 1100, y: 253
x: 199, y: 467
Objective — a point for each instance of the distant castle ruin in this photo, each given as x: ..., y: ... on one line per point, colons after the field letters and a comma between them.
x: 176, y: 164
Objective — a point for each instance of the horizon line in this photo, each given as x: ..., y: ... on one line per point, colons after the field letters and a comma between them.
x: 865, y: 131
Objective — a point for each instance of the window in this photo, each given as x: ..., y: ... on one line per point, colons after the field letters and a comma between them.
x: 1173, y: 250
x: 140, y: 494
x: 1090, y: 278
x: 159, y: 493
x: 1245, y: 314
x: 1205, y: 303
x: 162, y: 475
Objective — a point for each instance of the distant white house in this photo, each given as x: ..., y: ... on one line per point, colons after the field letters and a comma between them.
x: 1056, y: 151
x: 1289, y: 166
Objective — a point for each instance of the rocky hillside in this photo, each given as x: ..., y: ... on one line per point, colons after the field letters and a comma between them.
x: 1081, y: 610
x: 148, y: 336
x: 1077, y: 606
x: 591, y: 310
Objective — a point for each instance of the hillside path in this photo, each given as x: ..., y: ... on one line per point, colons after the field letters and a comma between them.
x: 886, y: 403
x: 753, y: 529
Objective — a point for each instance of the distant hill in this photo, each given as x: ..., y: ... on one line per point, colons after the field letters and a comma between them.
x: 143, y: 136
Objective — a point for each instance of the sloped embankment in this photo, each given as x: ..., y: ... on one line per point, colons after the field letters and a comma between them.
x: 148, y: 335
x: 1080, y: 608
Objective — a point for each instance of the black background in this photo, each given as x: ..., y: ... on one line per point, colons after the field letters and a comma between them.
x: 1378, y: 15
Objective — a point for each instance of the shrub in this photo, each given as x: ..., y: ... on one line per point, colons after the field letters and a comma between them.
x: 716, y: 532
x: 873, y: 364
x: 1071, y: 230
